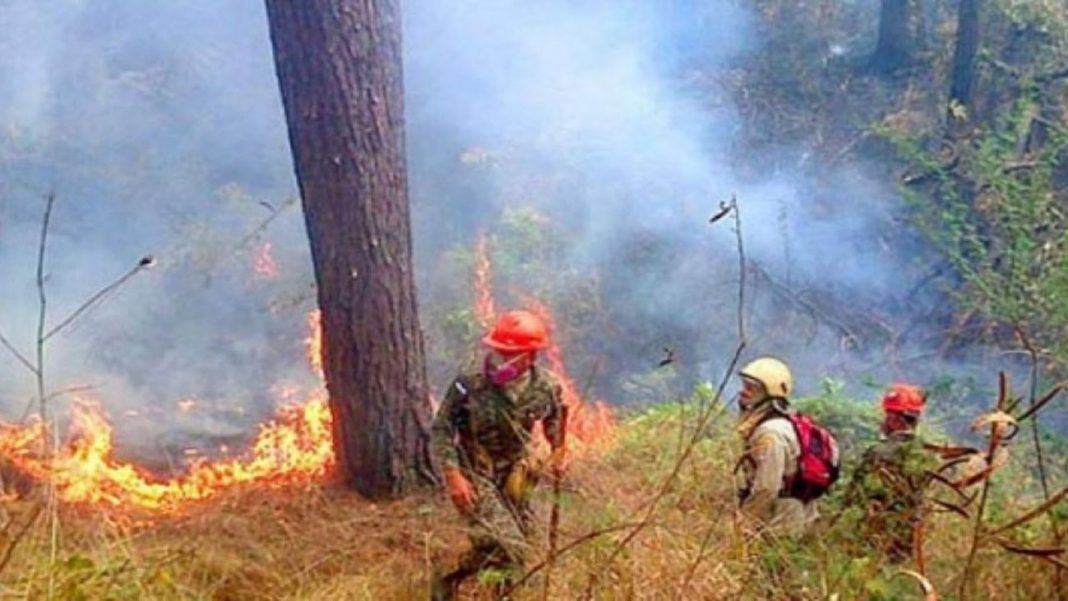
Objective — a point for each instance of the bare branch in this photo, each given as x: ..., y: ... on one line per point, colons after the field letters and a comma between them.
x: 42, y: 311
x: 21, y: 358
x: 263, y: 225
x: 1047, y: 553
x: 977, y: 527
x: 1030, y: 515
x: 145, y: 263
x: 42, y: 405
x: 1040, y: 403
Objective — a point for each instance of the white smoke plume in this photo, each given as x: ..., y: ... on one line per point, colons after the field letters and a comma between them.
x: 160, y: 129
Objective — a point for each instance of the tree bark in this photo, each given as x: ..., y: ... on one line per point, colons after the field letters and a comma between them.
x: 339, y: 71
x: 967, y: 47
x: 895, y: 45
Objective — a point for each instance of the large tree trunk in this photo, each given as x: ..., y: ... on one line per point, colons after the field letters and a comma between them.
x: 339, y: 70
x: 895, y: 45
x: 961, y: 88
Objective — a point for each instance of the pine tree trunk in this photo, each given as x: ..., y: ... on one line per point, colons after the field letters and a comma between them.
x: 339, y: 71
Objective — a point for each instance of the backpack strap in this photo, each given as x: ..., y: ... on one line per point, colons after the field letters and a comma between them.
x: 789, y: 483
x: 461, y: 420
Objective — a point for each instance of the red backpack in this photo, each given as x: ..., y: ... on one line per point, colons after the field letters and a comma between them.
x: 819, y: 463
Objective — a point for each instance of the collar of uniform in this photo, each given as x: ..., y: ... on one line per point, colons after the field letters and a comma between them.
x: 900, y: 436
x: 757, y: 416
x: 517, y: 387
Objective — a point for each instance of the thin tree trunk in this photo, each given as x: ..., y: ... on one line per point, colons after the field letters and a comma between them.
x: 339, y: 70
x: 962, y: 87
x: 895, y: 45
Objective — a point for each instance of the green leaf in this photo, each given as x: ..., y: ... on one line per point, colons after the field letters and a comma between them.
x: 877, y: 588
x: 79, y: 562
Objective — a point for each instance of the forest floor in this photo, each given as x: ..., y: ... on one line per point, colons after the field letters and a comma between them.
x: 324, y: 542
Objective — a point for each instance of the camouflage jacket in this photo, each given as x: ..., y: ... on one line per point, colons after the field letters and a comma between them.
x: 889, y: 485
x: 485, y: 429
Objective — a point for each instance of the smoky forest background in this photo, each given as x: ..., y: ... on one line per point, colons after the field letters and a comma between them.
x: 884, y: 181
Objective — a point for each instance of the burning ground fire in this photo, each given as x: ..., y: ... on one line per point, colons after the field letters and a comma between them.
x: 293, y: 448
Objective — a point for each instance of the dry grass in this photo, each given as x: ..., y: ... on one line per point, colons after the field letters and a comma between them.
x: 325, y: 543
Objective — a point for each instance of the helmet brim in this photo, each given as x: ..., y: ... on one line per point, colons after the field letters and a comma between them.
x: 909, y: 411
x: 507, y: 347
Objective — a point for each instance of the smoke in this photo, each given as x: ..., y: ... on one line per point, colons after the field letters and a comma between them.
x: 610, y: 117
x: 160, y: 129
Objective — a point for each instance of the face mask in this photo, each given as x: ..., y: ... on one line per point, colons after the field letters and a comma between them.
x: 503, y: 370
x: 894, y: 423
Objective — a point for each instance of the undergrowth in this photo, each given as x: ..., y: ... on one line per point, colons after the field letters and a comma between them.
x: 325, y: 543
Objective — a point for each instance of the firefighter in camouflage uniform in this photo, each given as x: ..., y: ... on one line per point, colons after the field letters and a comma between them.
x: 482, y: 441
x: 890, y: 483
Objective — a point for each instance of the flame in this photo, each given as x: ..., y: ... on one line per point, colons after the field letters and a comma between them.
x: 586, y: 422
x: 186, y: 405
x: 485, y: 307
x: 295, y: 447
x: 314, y: 342
x: 265, y: 267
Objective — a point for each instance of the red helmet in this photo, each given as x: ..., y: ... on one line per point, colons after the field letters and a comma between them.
x: 518, y: 331
x: 905, y: 398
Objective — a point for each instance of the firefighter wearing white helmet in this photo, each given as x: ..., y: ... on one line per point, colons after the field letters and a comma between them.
x: 772, y: 450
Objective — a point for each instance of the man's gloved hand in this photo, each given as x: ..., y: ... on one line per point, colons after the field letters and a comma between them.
x: 558, y: 461
x: 460, y: 490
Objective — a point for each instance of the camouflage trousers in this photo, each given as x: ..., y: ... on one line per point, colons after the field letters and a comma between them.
x: 498, y: 529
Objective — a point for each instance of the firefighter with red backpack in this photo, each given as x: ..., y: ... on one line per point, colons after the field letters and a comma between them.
x: 789, y: 461
x: 890, y: 483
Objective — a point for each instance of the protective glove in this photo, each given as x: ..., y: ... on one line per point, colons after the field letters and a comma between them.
x: 460, y: 491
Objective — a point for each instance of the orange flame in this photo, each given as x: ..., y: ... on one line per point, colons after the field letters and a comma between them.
x: 314, y: 342
x: 265, y: 267
x: 485, y: 307
x: 295, y: 447
x: 586, y: 422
